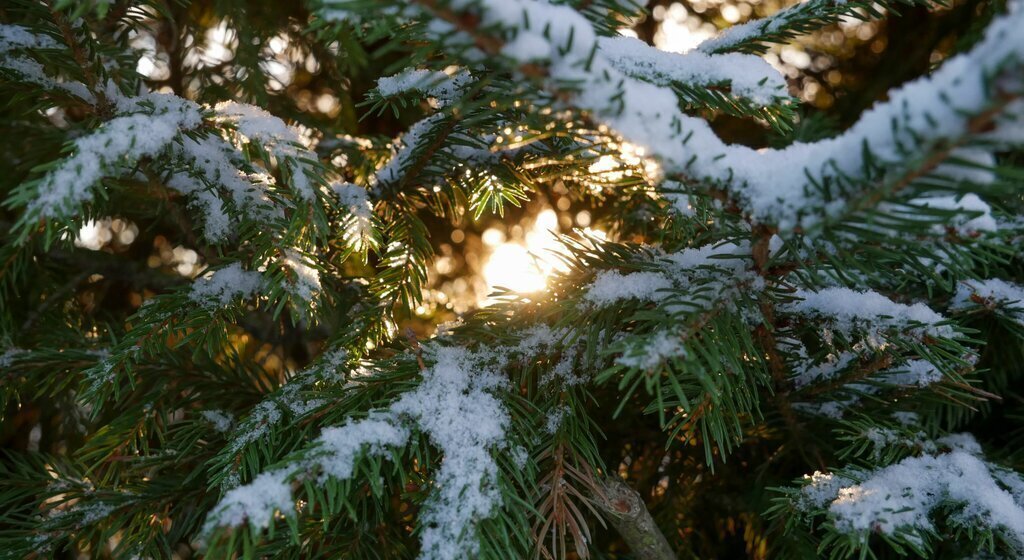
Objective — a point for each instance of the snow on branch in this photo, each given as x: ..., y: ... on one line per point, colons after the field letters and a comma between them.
x: 455, y: 408
x: 849, y: 309
x: 704, y: 275
x: 406, y: 148
x: 226, y: 285
x: 14, y: 38
x: 120, y: 142
x: 902, y: 500
x: 788, y: 23
x: 1006, y: 297
x: 794, y: 187
x: 441, y: 86
x: 257, y: 125
x: 17, y: 37
x: 746, y: 75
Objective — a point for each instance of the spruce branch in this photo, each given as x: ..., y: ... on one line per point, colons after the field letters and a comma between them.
x: 625, y: 510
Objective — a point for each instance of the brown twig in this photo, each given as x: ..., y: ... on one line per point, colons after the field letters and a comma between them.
x: 625, y: 510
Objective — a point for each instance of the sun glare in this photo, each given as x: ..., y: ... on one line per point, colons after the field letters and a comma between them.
x: 524, y: 265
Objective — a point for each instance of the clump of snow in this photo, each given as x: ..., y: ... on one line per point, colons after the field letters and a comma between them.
x: 902, y: 497
x: 885, y: 438
x: 1007, y: 297
x: 405, y: 148
x: 906, y: 418
x: 774, y: 186
x: 967, y: 204
x: 14, y: 37
x: 969, y: 165
x: 737, y: 34
x: 226, y: 285
x: 747, y: 75
x: 830, y: 368
x: 848, y: 309
x: 610, y: 286
x: 216, y: 223
x: 7, y: 358
x: 306, y: 284
x: 32, y: 72
x: 732, y: 257
x: 343, y: 444
x: 455, y: 408
x: 555, y: 418
x: 221, y: 421
x: 660, y: 347
x: 819, y: 489
x: 261, y: 419
x: 920, y: 373
x: 281, y: 140
x: 120, y: 141
x: 219, y: 163
x: 254, y: 503
x: 358, y: 224
x: 439, y: 85
x: 292, y: 399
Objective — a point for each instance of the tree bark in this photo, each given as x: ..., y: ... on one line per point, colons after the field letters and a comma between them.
x: 626, y: 511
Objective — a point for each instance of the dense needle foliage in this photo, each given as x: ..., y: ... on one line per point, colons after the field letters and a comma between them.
x: 218, y: 221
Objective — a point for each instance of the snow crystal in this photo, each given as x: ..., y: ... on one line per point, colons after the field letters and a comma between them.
x: 226, y: 285
x: 610, y: 286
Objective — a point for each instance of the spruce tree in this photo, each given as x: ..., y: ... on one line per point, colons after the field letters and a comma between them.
x: 809, y: 346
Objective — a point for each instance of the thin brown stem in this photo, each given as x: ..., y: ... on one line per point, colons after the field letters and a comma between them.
x: 625, y: 510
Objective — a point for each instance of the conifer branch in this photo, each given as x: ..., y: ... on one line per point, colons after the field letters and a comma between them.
x: 626, y: 511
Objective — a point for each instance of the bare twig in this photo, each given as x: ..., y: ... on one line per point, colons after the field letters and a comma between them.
x: 626, y: 511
